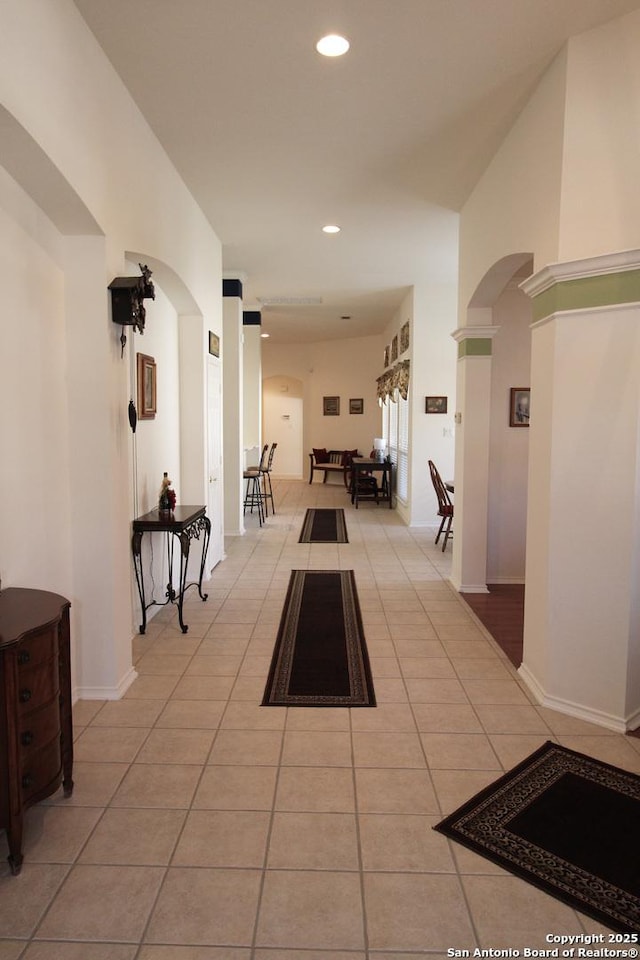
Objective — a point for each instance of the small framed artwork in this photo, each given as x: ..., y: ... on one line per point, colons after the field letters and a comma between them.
x: 394, y: 349
x: 214, y: 344
x: 404, y: 337
x: 435, y: 404
x: 146, y: 387
x: 519, y: 406
x: 387, y: 354
x: 356, y: 405
x: 331, y: 406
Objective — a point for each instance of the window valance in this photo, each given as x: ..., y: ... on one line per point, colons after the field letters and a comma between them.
x: 395, y: 379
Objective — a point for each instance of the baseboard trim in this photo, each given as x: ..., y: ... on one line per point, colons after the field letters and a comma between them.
x: 571, y: 709
x: 106, y: 693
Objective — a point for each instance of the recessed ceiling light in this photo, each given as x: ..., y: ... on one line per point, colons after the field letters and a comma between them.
x: 331, y: 228
x: 265, y: 336
x: 332, y: 45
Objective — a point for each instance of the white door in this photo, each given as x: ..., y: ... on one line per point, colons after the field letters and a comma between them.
x: 283, y: 424
x: 215, y: 506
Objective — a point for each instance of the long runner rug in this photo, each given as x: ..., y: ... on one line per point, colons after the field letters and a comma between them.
x: 568, y: 824
x: 320, y: 657
x: 324, y: 526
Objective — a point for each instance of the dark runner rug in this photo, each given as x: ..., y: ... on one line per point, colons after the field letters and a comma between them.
x: 320, y: 657
x: 568, y: 824
x: 324, y: 526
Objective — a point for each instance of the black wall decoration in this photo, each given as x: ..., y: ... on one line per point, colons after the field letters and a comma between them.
x: 127, y: 296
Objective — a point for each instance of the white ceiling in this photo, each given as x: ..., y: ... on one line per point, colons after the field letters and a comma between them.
x: 274, y: 140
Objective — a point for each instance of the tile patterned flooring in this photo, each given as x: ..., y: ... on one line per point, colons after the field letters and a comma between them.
x: 206, y: 827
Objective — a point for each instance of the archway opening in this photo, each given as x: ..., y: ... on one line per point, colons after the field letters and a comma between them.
x: 506, y: 313
x: 283, y: 420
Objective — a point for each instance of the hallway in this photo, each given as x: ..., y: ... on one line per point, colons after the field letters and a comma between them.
x: 205, y: 827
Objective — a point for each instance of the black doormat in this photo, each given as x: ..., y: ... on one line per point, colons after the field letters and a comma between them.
x: 320, y: 657
x: 324, y: 526
x: 568, y: 824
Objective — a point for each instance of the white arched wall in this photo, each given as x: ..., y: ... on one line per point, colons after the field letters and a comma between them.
x: 490, y: 469
x: 509, y: 446
x: 88, y: 182
x: 561, y: 187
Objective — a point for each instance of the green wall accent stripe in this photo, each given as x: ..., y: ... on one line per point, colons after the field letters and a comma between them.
x: 585, y: 292
x: 474, y: 347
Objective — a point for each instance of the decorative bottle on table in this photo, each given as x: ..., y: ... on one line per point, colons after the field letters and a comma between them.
x: 167, y: 498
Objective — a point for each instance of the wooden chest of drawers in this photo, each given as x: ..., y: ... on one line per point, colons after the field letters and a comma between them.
x: 36, y: 733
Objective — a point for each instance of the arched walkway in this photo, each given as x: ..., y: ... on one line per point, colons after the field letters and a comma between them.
x: 491, y: 456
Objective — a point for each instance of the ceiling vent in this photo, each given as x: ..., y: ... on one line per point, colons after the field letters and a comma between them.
x: 290, y: 301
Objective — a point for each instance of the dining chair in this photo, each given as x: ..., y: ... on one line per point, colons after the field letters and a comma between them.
x: 445, y: 505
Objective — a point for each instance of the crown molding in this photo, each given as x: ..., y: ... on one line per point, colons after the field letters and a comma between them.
x: 554, y: 273
x: 475, y: 333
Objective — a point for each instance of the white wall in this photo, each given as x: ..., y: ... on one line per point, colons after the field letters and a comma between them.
x: 516, y: 204
x: 602, y: 147
x: 35, y: 545
x: 576, y: 138
x: 343, y: 368
x: 562, y: 185
x: 157, y: 441
x: 509, y: 446
x: 252, y: 388
x: 56, y: 83
x: 431, y: 309
x: 283, y: 424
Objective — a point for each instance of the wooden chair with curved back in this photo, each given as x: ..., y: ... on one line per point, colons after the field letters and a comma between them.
x: 445, y: 506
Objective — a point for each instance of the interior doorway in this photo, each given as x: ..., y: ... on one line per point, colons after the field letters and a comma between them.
x: 283, y: 420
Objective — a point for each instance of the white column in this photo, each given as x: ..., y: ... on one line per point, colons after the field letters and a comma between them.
x: 473, y: 419
x: 582, y: 618
x: 252, y: 372
x: 232, y: 400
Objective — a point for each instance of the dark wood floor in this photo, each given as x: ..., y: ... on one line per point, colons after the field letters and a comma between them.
x: 502, y: 613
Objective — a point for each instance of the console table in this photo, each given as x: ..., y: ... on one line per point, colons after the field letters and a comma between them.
x: 368, y: 465
x: 36, y: 729
x: 183, y: 525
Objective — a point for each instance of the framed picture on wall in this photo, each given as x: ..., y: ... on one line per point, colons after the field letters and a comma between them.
x: 214, y: 344
x: 394, y: 349
x: 519, y: 406
x: 435, y: 404
x: 331, y: 406
x: 356, y: 405
x: 387, y: 354
x: 146, y: 387
x: 404, y: 337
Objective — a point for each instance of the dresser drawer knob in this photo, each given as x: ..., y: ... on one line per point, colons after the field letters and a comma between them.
x: 27, y: 781
x: 24, y: 657
x: 26, y: 738
x: 25, y: 695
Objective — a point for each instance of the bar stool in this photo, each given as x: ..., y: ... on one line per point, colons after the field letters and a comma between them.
x: 253, y: 495
x: 266, y: 479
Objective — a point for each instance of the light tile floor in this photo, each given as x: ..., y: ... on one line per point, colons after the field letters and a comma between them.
x: 206, y: 827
